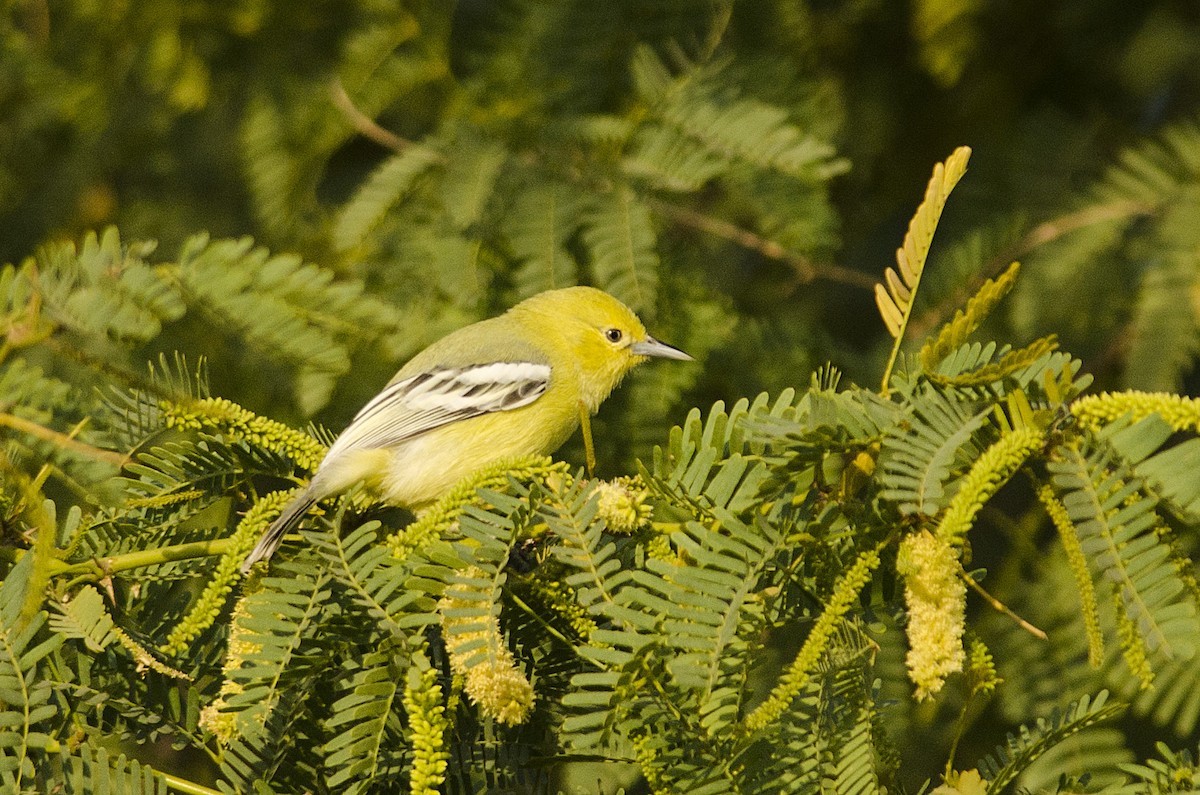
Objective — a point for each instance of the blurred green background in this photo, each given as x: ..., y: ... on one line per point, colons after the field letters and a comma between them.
x: 266, y: 118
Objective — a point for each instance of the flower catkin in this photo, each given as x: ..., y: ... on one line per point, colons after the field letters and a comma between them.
x: 491, y: 678
x: 1095, y: 411
x: 967, y: 782
x: 215, y: 718
x: 937, y: 602
x: 623, y: 504
x: 427, y: 727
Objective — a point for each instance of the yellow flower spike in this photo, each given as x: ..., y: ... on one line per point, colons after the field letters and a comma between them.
x: 213, y: 718
x: 434, y: 521
x: 560, y: 598
x: 208, y: 605
x: 801, y: 669
x: 967, y: 782
x: 217, y: 722
x: 659, y: 548
x: 500, y: 689
x: 991, y: 470
x: 937, y: 604
x: 1181, y: 413
x: 1078, y: 564
x: 230, y: 419
x: 427, y: 728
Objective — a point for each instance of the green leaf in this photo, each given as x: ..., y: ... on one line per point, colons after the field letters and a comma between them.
x: 621, y: 242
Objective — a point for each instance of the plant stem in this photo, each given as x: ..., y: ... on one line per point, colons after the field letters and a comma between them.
x: 183, y: 785
x: 60, y: 439
x: 144, y: 557
x: 364, y: 124
x: 1001, y: 607
x: 806, y: 270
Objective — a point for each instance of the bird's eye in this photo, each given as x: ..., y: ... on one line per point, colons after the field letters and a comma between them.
x: 613, y: 335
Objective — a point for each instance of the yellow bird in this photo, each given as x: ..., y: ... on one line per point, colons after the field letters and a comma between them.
x: 514, y: 385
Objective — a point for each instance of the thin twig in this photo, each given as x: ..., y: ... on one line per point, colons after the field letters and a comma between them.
x: 1043, y: 233
x: 1001, y: 607
x: 60, y: 439
x: 362, y: 122
x: 806, y: 270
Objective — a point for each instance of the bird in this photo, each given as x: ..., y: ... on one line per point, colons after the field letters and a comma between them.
x: 517, y: 384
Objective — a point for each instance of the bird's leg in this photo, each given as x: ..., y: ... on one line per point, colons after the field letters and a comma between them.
x: 589, y: 450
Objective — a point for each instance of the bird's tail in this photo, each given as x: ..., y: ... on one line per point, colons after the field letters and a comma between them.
x: 287, y: 521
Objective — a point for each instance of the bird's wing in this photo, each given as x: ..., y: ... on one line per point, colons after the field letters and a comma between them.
x: 427, y: 400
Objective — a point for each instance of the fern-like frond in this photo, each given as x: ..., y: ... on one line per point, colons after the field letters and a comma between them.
x: 270, y: 660
x: 1117, y: 524
x: 829, y: 735
x: 85, y: 618
x: 469, y: 179
x: 699, y: 137
x: 1010, y: 363
x: 896, y: 301
x: 1170, y: 473
x: 803, y: 666
x: 599, y: 582
x: 398, y: 595
x: 1007, y: 762
x: 211, y: 468
x: 947, y: 35
x: 124, y: 709
x: 281, y: 305
x: 208, y: 605
x: 1153, y: 171
x: 1176, y: 771
x: 954, y: 333
x: 851, y: 755
x: 721, y: 432
x: 93, y: 768
x: 620, y: 239
x: 387, y: 185
x: 28, y: 391
x: 699, y: 451
x: 107, y: 289
x: 711, y: 610
x: 1096, y: 754
x: 918, y: 456
x: 25, y: 694
x: 366, y: 745
x: 537, y: 226
x: 1166, y: 330
x: 1174, y: 701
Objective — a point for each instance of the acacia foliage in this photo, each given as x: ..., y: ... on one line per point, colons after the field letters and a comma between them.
x: 439, y: 166
x: 726, y: 621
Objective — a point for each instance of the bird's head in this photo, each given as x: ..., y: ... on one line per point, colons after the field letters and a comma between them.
x: 602, y: 336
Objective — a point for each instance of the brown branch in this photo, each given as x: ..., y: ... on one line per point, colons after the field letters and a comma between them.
x: 1001, y: 607
x: 60, y: 439
x: 1043, y: 233
x: 363, y: 123
x: 806, y: 270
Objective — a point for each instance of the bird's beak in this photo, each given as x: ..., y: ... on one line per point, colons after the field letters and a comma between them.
x: 652, y: 347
